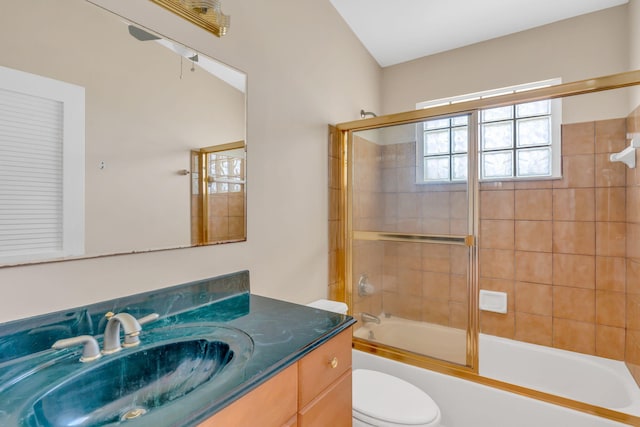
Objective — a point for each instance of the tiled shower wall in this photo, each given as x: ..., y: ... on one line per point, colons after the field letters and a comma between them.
x: 557, y: 248
x: 632, y: 356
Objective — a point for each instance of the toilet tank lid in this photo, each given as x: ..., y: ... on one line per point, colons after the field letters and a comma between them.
x: 328, y: 305
x: 390, y: 399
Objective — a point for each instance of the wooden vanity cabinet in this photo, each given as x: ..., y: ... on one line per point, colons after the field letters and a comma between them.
x: 314, y: 392
x: 324, y: 384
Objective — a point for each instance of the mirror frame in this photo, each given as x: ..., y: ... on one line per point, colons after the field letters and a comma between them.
x: 177, y: 7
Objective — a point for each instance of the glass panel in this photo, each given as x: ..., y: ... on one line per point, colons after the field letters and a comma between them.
x: 500, y: 113
x: 497, y: 164
x: 436, y: 142
x: 436, y: 168
x: 459, y: 171
x: 497, y: 135
x: 430, y: 299
x: 534, y: 162
x: 460, y: 120
x: 533, y: 132
x: 537, y: 108
x: 460, y: 139
x: 436, y: 124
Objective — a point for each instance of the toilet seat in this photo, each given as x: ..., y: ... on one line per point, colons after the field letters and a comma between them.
x: 383, y: 400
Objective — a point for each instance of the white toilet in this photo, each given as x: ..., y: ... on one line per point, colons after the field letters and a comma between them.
x: 382, y: 400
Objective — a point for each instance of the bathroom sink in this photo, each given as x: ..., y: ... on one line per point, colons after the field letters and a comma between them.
x: 139, y: 381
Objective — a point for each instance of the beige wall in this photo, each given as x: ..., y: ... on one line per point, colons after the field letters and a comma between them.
x: 583, y: 47
x: 634, y: 48
x: 292, y: 95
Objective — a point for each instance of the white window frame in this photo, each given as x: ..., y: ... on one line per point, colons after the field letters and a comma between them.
x: 556, y: 122
x: 72, y: 98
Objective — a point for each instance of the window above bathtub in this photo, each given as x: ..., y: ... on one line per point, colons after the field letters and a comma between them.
x: 520, y: 141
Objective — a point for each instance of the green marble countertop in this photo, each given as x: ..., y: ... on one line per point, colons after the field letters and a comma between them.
x: 267, y: 334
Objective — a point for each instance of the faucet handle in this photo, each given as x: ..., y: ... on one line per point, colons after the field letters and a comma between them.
x: 90, y: 351
x: 148, y: 318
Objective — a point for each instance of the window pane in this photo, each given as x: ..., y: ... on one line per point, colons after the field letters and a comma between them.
x: 460, y: 120
x: 534, y: 131
x: 460, y: 139
x: 436, y: 124
x: 534, y: 162
x: 436, y: 142
x: 537, y: 108
x: 497, y: 135
x: 436, y: 168
x: 500, y: 113
x: 497, y: 164
x: 459, y: 171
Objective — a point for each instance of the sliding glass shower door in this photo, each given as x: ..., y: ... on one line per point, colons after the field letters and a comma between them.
x: 410, y: 252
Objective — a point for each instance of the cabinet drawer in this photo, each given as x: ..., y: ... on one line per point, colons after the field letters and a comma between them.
x: 331, y: 408
x: 323, y: 366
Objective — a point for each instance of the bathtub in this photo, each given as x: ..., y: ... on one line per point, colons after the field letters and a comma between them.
x: 594, y: 380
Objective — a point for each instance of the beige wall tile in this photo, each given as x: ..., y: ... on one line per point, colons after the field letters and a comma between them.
x: 611, y: 239
x: 572, y: 237
x: 458, y: 315
x: 534, y: 204
x: 574, y: 336
x: 436, y: 258
x: 632, y: 204
x: 611, y: 308
x: 496, y: 204
x: 578, y: 138
x: 633, y: 240
x: 610, y: 342
x: 496, y: 234
x: 574, y: 303
x: 535, y: 267
x: 501, y: 325
x: 533, y: 236
x: 632, y: 276
x: 496, y: 263
x: 458, y: 290
x: 533, y: 298
x: 608, y: 173
x: 435, y: 311
x: 534, y: 184
x: 534, y: 328
x: 633, y: 312
x: 632, y: 348
x: 610, y: 135
x: 435, y: 285
x: 610, y: 204
x: 574, y: 204
x: 578, y: 171
x: 574, y: 270
x: 611, y: 274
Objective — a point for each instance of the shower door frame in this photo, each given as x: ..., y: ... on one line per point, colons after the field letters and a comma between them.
x: 341, y: 138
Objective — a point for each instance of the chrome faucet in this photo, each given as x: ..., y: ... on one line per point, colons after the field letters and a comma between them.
x: 131, y: 327
x: 90, y: 351
x: 369, y: 318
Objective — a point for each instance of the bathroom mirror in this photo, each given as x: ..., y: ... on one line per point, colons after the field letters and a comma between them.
x: 148, y: 103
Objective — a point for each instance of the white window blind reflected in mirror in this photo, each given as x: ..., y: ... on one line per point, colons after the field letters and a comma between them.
x: 41, y: 202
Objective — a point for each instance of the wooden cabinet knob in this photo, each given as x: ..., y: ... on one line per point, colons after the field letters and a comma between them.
x: 334, y: 362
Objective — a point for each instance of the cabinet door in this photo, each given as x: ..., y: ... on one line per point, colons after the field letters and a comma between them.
x: 331, y: 408
x: 323, y: 366
x: 273, y: 404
